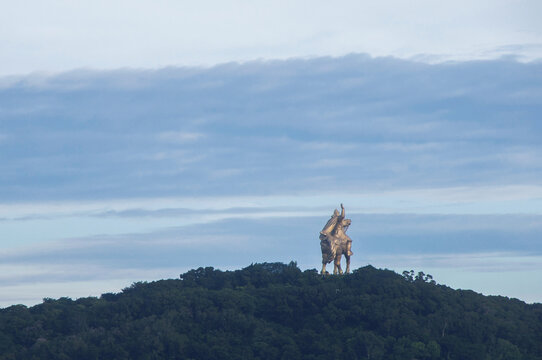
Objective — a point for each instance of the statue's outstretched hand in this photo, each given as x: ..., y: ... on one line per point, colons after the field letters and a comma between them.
x: 342, y: 207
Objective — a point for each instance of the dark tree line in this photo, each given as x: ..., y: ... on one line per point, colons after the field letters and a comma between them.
x: 276, y: 311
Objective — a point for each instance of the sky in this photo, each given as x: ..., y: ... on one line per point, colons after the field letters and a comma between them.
x: 141, y: 140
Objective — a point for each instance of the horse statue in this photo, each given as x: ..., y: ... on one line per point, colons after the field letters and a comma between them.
x: 334, y: 242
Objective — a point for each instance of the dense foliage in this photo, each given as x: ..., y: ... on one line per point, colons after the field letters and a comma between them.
x: 276, y: 311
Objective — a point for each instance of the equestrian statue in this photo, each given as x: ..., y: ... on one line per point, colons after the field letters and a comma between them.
x: 334, y: 242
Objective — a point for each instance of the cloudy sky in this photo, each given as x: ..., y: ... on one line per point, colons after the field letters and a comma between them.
x: 140, y: 140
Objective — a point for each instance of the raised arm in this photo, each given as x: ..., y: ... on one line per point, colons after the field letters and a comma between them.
x: 338, y: 223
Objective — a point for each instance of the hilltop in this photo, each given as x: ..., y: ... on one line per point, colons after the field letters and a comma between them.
x: 277, y: 311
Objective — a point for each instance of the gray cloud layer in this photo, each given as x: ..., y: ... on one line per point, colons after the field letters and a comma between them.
x: 270, y: 127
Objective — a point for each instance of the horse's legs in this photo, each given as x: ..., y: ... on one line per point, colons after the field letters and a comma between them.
x: 347, y: 263
x: 323, y: 272
x: 337, y: 267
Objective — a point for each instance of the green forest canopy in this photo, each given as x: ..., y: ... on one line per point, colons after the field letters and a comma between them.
x: 277, y: 311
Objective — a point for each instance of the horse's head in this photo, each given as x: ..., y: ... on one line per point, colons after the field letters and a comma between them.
x: 343, y: 226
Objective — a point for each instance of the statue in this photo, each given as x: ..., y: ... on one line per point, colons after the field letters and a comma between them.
x: 334, y: 242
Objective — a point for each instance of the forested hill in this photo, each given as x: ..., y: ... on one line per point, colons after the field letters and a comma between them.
x: 276, y: 311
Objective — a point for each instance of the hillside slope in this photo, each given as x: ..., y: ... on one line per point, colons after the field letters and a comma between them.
x: 276, y: 311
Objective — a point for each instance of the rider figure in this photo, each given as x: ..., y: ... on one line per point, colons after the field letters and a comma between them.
x: 331, y: 225
x: 331, y: 229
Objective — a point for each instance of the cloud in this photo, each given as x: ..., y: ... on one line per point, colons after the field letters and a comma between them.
x: 179, y: 136
x: 524, y: 51
x: 367, y: 123
x: 420, y: 235
x: 234, y: 239
x: 448, y: 29
x: 475, y: 200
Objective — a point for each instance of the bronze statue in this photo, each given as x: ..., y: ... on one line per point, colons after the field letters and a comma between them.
x: 334, y: 242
